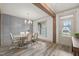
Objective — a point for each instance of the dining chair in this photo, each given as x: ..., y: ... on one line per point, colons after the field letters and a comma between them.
x: 29, y: 37
x: 26, y: 33
x: 14, y: 41
x: 26, y: 39
x: 35, y: 36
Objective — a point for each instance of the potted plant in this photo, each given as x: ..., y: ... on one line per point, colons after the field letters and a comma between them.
x: 77, y: 35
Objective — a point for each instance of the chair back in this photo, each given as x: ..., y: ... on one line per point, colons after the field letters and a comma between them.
x: 29, y: 37
x: 35, y: 36
x: 26, y: 33
x: 13, y: 41
x: 11, y: 36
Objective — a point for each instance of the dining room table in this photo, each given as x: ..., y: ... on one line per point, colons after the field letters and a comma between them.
x: 20, y: 39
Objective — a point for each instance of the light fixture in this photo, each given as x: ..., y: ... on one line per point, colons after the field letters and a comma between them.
x: 25, y: 21
x: 29, y: 22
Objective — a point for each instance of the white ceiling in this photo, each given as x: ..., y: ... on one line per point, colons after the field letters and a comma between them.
x: 28, y: 10
x: 59, y: 7
x: 24, y: 10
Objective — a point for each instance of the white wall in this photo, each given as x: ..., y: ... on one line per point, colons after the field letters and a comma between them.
x: 77, y: 20
x: 76, y: 14
x: 49, y: 25
x: 11, y: 24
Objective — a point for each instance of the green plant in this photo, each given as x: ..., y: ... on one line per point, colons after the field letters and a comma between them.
x: 76, y: 35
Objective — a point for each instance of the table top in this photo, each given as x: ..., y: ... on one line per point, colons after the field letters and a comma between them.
x: 19, y: 35
x: 22, y: 34
x: 75, y: 42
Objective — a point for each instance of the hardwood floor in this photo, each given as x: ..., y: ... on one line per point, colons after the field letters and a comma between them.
x: 38, y: 49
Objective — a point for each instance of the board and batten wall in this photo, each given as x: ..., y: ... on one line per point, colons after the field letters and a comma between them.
x: 74, y: 11
x: 49, y: 24
x: 11, y: 24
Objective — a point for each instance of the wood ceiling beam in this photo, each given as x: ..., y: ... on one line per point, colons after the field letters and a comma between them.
x: 45, y: 8
x: 51, y: 13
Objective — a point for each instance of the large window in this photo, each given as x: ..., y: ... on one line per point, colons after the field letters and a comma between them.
x: 66, y: 23
x: 66, y: 28
x: 42, y: 28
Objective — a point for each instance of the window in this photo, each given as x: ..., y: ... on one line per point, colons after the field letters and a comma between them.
x: 42, y: 28
x: 66, y: 27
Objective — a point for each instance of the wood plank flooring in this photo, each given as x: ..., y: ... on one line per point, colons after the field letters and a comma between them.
x: 38, y: 49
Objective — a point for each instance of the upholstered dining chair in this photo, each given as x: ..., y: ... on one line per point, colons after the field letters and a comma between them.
x: 14, y: 41
x: 35, y: 36
x: 29, y: 37
x: 26, y: 33
x: 26, y: 39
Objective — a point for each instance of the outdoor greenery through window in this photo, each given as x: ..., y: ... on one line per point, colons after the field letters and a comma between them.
x: 67, y: 25
x: 66, y: 29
